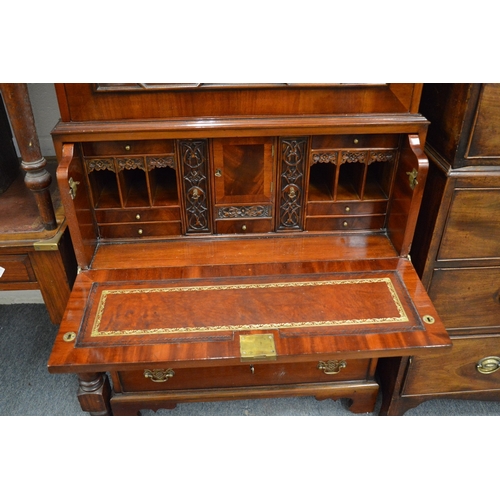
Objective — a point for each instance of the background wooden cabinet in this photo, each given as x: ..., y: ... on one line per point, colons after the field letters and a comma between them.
x: 456, y: 249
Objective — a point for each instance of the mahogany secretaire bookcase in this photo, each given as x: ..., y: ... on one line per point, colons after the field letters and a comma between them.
x: 240, y: 241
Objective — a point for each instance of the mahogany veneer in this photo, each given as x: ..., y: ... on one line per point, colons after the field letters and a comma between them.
x: 240, y: 241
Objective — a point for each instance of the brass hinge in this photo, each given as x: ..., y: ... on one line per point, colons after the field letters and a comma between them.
x: 72, y: 187
x: 413, y: 177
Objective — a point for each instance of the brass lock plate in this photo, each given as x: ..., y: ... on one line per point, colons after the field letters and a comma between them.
x: 259, y: 346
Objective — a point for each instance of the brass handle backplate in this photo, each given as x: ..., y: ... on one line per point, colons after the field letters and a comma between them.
x: 487, y: 365
x: 332, y: 367
x: 159, y: 375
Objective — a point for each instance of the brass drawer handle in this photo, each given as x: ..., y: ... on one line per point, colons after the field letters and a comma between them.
x: 332, y: 367
x: 159, y: 375
x: 488, y: 365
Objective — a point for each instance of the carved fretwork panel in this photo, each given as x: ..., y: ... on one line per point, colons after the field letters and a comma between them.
x: 291, y: 183
x: 193, y: 162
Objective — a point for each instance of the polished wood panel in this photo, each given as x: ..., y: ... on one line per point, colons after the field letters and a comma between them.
x: 467, y: 297
x: 455, y: 371
x: 472, y: 231
x: 80, y: 102
x: 245, y: 375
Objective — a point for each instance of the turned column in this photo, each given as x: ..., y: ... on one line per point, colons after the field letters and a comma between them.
x: 94, y: 393
x: 37, y: 178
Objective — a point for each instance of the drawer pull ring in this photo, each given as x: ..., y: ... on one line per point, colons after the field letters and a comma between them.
x: 331, y: 367
x: 159, y: 375
x: 488, y: 365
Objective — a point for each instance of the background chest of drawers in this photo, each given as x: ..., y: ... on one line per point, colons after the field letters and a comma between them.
x: 456, y: 249
x: 239, y: 241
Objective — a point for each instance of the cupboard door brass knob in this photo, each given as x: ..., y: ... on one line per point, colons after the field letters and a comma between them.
x: 488, y: 365
x: 332, y: 366
x: 159, y: 375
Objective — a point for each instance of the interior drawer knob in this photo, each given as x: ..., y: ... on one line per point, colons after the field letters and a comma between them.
x: 332, y: 366
x: 488, y: 365
x: 159, y: 375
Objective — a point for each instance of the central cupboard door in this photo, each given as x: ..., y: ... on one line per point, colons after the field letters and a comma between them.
x: 243, y: 170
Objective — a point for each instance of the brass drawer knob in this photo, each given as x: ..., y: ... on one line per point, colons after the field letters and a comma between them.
x: 159, y: 375
x: 138, y: 217
x: 244, y: 227
x: 127, y: 147
x: 345, y: 223
x: 488, y: 365
x: 347, y: 209
x: 139, y: 232
x: 332, y: 366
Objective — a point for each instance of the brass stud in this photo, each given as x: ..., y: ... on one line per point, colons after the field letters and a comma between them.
x: 69, y: 336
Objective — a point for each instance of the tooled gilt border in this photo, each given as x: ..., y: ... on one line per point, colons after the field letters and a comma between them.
x: 259, y: 326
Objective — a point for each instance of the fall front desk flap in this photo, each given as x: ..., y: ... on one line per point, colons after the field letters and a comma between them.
x: 302, y: 316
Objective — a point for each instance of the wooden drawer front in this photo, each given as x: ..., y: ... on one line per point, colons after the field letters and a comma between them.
x: 467, y: 298
x: 455, y: 371
x: 17, y: 269
x: 245, y: 375
x: 243, y: 226
x: 140, y: 230
x: 485, y: 140
x: 473, y: 227
x: 344, y: 223
x: 346, y: 208
x: 128, y: 147
x: 354, y: 141
x: 138, y: 215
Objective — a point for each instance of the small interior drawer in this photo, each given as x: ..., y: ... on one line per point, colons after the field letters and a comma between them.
x: 244, y: 226
x: 138, y: 215
x: 344, y: 223
x: 455, y: 370
x: 244, y: 375
x: 346, y: 208
x: 17, y: 269
x: 355, y: 141
x: 140, y: 229
x: 122, y: 148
